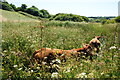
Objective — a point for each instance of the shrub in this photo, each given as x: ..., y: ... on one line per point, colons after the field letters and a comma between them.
x: 5, y: 6
x: 69, y: 17
x: 117, y: 19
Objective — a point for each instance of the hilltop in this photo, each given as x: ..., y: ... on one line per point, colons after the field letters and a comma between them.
x: 12, y: 16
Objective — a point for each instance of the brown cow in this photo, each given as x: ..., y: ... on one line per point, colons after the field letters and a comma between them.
x: 85, y: 50
x: 48, y: 54
x: 95, y: 43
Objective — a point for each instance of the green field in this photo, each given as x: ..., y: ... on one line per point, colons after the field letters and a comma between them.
x: 20, y: 39
x: 14, y: 17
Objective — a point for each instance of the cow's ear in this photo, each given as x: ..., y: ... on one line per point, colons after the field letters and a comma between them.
x: 98, y: 37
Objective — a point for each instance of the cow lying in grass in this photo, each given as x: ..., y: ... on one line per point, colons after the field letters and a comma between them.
x: 48, y: 54
x: 95, y: 43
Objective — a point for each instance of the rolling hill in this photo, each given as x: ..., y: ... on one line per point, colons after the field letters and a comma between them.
x: 15, y: 17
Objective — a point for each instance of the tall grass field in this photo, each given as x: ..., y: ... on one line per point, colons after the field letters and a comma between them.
x: 20, y: 39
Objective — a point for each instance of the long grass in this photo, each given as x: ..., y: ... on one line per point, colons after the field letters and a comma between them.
x: 15, y: 17
x: 20, y: 40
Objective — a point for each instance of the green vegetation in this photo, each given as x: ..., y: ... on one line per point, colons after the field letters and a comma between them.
x: 69, y: 17
x: 6, y: 6
x: 117, y: 19
x: 59, y: 17
x: 22, y: 35
x: 15, y: 16
x: 103, y: 20
x: 21, y: 39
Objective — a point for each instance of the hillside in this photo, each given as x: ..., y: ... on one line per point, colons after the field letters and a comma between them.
x: 15, y: 17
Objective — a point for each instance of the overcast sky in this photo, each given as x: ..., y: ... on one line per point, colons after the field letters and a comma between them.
x: 79, y: 7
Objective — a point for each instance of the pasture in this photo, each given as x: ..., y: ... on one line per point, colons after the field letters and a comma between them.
x: 21, y: 36
x: 21, y: 39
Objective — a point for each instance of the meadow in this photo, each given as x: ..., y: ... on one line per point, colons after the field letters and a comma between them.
x: 21, y: 39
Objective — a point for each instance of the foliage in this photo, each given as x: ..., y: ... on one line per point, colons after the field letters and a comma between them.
x: 33, y: 11
x: 117, y: 19
x: 31, y: 16
x: 21, y: 39
x: 69, y: 17
x: 23, y: 7
x: 112, y: 21
x: 41, y: 13
x: 102, y: 19
x: 5, y: 6
x: 13, y: 6
x: 45, y: 14
x: 16, y: 17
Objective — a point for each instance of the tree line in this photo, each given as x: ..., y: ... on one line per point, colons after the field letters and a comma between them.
x: 33, y: 10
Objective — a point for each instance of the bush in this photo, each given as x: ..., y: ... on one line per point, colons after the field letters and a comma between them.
x: 69, y: 17
x: 5, y: 6
x: 117, y: 19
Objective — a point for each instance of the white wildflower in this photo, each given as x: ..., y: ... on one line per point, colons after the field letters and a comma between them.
x: 54, y: 75
x: 3, y: 41
x: 82, y: 75
x: 15, y: 65
x: 31, y: 70
x: 20, y: 69
x: 5, y: 51
x: 56, y: 66
x: 102, y: 73
x: 44, y: 63
x: 112, y: 47
x: 38, y: 67
x: 68, y: 71
x: 58, y: 60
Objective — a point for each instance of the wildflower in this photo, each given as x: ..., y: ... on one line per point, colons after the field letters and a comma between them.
x: 5, y: 51
x: 56, y: 66
x: 3, y: 41
x: 56, y: 61
x: 82, y: 75
x: 54, y: 75
x: 112, y: 47
x: 44, y: 63
x: 102, y: 73
x: 31, y: 70
x: 38, y: 67
x: 15, y: 66
x: 68, y: 71
x: 20, y: 69
x: 90, y: 75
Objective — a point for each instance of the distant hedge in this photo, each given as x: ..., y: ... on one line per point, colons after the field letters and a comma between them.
x: 6, y: 6
x: 69, y: 17
x: 117, y: 19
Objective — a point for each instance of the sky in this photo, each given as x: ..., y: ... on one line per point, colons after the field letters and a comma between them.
x: 79, y: 7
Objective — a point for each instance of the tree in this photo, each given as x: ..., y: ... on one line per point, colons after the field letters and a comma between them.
x: 6, y: 6
x: 13, y: 6
x: 67, y: 17
x: 45, y: 13
x: 32, y: 11
x: 23, y: 7
x: 117, y: 19
x: 35, y: 7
